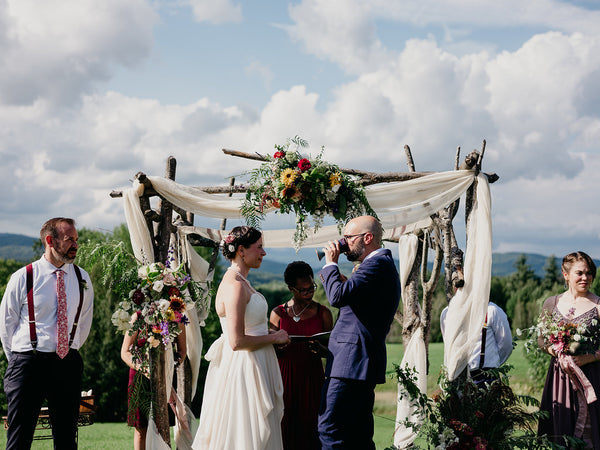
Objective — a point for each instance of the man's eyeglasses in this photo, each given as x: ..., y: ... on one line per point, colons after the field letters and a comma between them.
x: 348, y: 236
x: 309, y: 290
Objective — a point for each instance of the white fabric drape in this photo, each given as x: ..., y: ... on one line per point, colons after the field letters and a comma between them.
x: 396, y: 204
x: 414, y: 358
x: 415, y: 354
x: 467, y: 309
x: 141, y: 241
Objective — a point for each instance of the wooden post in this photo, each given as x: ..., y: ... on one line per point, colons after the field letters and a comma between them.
x: 158, y: 383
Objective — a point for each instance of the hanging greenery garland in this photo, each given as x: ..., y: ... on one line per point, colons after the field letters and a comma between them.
x: 295, y: 183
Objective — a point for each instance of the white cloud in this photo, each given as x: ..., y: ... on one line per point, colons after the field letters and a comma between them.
x: 338, y: 30
x: 216, y: 11
x: 56, y: 50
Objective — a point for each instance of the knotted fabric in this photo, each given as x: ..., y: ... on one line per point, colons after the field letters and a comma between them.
x: 62, y: 335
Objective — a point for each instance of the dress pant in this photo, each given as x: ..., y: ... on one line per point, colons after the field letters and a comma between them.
x: 346, y: 414
x: 32, y: 377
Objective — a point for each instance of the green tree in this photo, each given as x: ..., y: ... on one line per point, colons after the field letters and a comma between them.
x: 552, y: 273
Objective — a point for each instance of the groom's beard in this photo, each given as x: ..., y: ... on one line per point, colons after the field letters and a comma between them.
x: 354, y: 254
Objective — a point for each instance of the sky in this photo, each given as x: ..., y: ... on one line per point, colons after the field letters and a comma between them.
x: 93, y: 92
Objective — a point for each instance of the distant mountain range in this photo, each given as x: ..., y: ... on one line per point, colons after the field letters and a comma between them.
x: 16, y: 246
x: 20, y: 248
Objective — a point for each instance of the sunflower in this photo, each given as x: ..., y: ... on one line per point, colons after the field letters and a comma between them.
x: 335, y: 179
x: 288, y: 176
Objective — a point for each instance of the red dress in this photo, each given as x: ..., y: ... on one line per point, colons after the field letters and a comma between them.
x: 303, y: 376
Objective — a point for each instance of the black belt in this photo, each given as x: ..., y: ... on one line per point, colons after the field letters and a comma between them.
x: 40, y: 354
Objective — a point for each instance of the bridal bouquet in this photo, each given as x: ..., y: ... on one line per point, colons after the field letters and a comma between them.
x: 155, y: 309
x: 305, y: 186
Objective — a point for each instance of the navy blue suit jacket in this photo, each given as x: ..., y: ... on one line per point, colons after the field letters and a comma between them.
x: 367, y: 302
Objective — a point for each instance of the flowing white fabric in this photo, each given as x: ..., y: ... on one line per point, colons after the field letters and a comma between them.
x: 407, y: 252
x: 282, y: 238
x: 467, y: 308
x: 414, y: 358
x: 141, y: 241
x: 397, y: 203
x: 415, y: 354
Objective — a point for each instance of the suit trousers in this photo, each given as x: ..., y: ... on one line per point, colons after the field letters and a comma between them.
x: 346, y: 414
x: 32, y: 377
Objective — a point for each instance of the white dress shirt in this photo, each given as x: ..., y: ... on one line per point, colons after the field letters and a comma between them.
x: 498, y: 340
x: 14, y: 315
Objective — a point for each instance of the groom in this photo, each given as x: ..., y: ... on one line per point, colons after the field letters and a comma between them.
x: 357, y: 356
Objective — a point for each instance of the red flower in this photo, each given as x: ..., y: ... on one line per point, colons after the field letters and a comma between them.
x: 138, y: 297
x: 141, y: 342
x: 304, y: 164
x: 173, y: 291
x: 279, y: 154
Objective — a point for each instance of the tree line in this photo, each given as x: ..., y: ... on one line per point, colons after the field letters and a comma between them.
x: 520, y: 294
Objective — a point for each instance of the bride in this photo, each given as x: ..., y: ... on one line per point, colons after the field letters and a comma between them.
x: 243, y: 395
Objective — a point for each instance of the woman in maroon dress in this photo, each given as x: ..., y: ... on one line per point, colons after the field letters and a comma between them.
x: 571, y: 411
x: 300, y: 361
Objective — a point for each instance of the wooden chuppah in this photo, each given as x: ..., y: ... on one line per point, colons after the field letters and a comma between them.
x: 439, y: 237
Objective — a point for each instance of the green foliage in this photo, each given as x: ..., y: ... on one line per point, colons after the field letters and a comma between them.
x: 465, y: 415
x: 113, y: 271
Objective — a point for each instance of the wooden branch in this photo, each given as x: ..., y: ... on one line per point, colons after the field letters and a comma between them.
x: 409, y: 159
x: 365, y: 178
x: 201, y: 241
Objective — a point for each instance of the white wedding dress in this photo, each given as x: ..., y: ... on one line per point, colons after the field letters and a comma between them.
x: 243, y: 396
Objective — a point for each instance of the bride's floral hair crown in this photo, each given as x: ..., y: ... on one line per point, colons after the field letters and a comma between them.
x: 242, y: 235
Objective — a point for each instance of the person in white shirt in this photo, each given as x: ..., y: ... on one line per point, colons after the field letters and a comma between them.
x: 45, y: 317
x: 498, y: 342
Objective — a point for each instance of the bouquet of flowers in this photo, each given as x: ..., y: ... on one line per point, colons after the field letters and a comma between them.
x: 155, y: 308
x: 565, y: 336
x: 295, y: 183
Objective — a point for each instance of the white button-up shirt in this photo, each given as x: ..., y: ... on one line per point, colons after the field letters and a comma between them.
x: 498, y: 338
x: 14, y: 314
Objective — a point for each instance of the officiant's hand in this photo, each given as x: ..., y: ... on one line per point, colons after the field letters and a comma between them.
x: 317, y: 348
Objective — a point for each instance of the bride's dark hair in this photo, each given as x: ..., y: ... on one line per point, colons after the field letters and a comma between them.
x: 242, y: 235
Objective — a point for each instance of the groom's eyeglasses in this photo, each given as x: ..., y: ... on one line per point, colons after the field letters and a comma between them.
x: 348, y: 236
x: 309, y: 290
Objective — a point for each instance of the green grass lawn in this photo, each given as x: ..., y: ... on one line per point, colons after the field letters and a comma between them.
x: 116, y: 436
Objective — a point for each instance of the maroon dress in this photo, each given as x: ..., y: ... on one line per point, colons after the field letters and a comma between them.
x: 568, y: 415
x: 303, y: 376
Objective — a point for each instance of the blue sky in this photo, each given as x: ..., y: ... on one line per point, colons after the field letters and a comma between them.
x: 93, y: 92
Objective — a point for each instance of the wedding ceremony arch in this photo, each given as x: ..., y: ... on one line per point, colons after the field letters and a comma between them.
x: 416, y: 210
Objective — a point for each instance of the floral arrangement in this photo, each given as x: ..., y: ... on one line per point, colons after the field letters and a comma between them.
x: 564, y: 335
x: 155, y: 309
x: 464, y: 415
x: 294, y: 183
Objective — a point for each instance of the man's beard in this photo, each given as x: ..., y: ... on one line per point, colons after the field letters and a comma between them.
x: 355, y: 254
x: 64, y: 257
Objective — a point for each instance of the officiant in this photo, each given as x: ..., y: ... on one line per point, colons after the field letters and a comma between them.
x: 300, y: 361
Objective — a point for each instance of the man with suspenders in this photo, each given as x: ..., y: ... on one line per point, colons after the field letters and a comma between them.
x: 45, y: 317
x: 494, y: 345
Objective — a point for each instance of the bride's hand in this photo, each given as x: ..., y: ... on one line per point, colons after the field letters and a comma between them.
x: 280, y: 337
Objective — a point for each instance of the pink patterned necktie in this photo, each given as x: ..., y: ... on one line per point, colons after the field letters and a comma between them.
x: 62, y: 339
